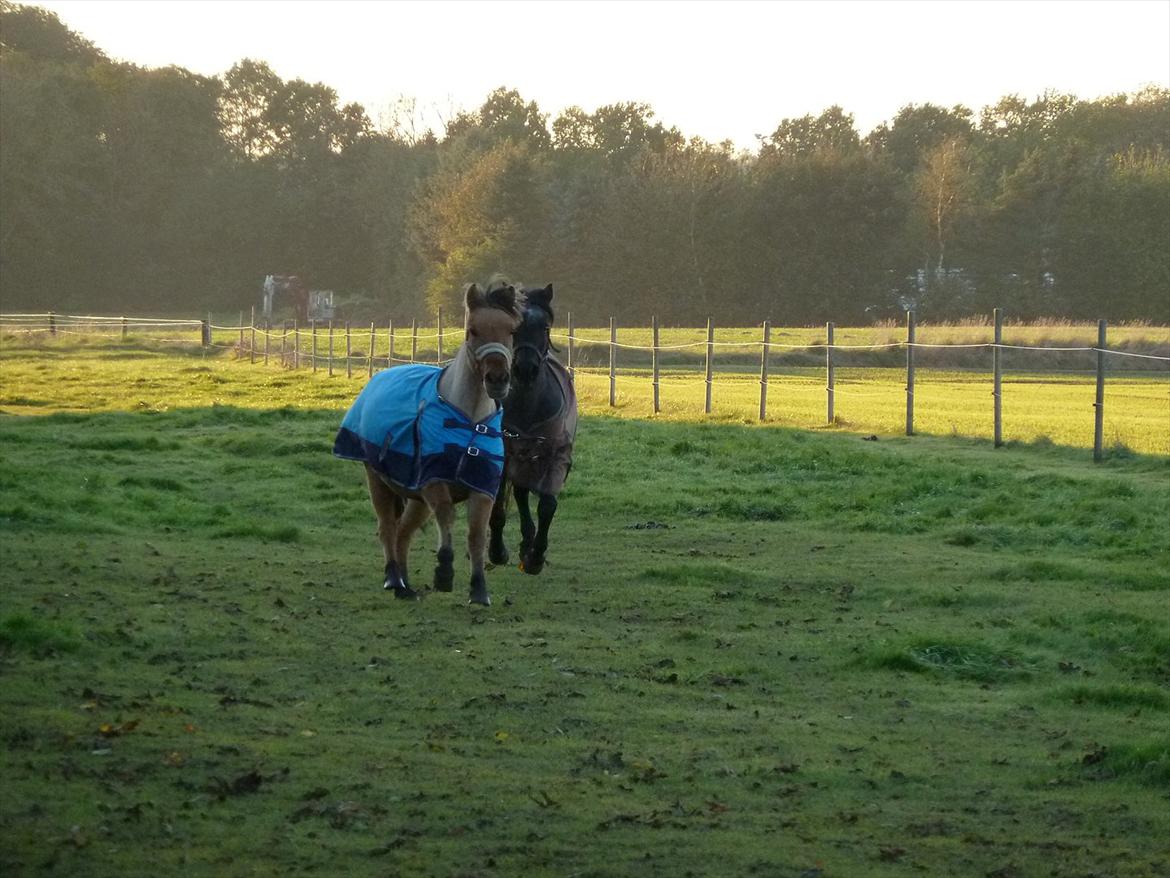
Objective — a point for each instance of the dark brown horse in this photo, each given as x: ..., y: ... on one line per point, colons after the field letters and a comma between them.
x: 431, y: 438
x: 540, y: 426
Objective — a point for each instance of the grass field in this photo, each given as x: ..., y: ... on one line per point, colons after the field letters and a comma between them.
x: 756, y: 650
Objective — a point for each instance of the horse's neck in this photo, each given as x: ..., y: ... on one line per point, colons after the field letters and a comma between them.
x: 463, y: 388
x: 533, y: 405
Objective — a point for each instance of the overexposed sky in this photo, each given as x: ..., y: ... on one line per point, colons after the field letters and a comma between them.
x: 718, y: 70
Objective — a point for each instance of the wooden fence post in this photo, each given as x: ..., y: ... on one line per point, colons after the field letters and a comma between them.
x: 283, y: 341
x: 370, y: 363
x: 439, y: 338
x: 612, y: 363
x: 205, y: 332
x: 267, y: 328
x: 125, y: 330
x: 413, y: 340
x: 348, y: 351
x: 654, y: 359
x: 910, y: 326
x: 240, y: 323
x: 710, y: 359
x: 1099, y: 404
x: 313, y: 328
x: 330, y: 348
x: 252, y: 338
x: 764, y: 371
x: 296, y: 345
x: 390, y: 350
x: 830, y: 374
x: 570, y: 324
x: 997, y: 379
x: 52, y: 323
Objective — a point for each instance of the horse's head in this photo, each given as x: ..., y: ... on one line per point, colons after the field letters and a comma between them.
x: 531, y: 340
x: 492, y: 317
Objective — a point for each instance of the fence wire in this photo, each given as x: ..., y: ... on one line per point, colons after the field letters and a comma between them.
x: 286, y: 344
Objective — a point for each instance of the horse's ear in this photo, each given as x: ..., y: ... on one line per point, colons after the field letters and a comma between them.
x: 474, y: 297
x: 548, y: 294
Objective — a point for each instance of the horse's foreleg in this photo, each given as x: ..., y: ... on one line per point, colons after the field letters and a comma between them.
x: 479, y: 509
x: 388, y: 508
x: 497, y: 551
x: 546, y: 508
x: 415, y: 515
x: 438, y: 497
x: 527, y: 526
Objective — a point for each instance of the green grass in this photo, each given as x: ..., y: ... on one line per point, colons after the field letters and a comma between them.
x: 36, y: 635
x: 756, y: 650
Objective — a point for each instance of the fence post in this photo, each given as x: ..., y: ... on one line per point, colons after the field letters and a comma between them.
x: 125, y: 329
x: 252, y: 338
x: 370, y: 362
x: 390, y: 351
x: 348, y: 351
x: 296, y: 345
x: 1099, y: 405
x: 764, y: 371
x: 710, y: 358
x: 52, y: 323
x: 830, y: 374
x: 570, y: 321
x: 283, y: 341
x: 241, y: 325
x: 267, y: 329
x: 313, y: 329
x: 612, y: 363
x: 330, y: 348
x: 439, y: 337
x: 413, y: 340
x: 205, y: 332
x: 654, y: 358
x: 997, y: 379
x: 910, y: 326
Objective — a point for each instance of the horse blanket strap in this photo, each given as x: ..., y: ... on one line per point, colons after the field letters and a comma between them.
x: 409, y: 434
x: 540, y: 456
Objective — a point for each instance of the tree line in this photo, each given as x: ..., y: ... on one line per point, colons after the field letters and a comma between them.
x: 160, y: 190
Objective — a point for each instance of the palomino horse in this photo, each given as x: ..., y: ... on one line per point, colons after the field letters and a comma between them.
x: 430, y: 437
x: 540, y: 426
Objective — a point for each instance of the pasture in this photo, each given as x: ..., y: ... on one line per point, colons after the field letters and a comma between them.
x: 755, y: 650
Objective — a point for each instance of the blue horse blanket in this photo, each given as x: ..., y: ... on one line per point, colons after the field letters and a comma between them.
x: 403, y: 428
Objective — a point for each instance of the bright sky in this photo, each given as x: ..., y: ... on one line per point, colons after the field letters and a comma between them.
x: 718, y: 70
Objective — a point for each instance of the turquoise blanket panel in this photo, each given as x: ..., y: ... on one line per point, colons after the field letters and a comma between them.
x: 403, y: 428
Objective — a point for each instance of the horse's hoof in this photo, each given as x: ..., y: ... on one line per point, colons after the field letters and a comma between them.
x: 403, y: 592
x: 444, y: 581
x: 498, y: 556
x: 479, y: 591
x: 531, y: 565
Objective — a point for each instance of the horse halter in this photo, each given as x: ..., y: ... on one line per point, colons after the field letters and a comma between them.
x: 493, y: 347
x: 529, y: 346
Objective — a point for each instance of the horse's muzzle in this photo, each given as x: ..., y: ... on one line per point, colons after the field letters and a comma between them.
x: 496, y: 388
x: 526, y: 370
